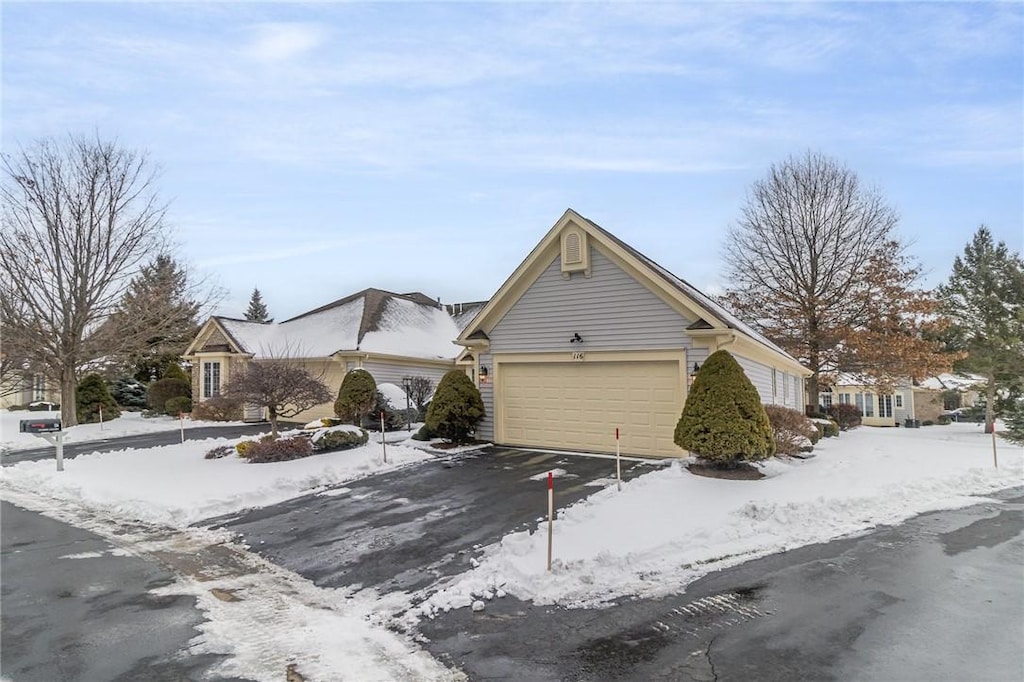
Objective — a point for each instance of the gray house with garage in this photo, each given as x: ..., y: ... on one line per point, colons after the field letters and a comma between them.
x: 588, y: 336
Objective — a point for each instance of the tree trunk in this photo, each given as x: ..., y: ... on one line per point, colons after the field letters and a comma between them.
x: 68, y: 397
x: 272, y: 414
x: 990, y: 405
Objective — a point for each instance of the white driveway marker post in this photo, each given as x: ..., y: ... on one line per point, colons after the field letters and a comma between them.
x: 181, y: 420
x: 551, y: 513
x: 383, y: 444
x: 101, y: 417
x: 618, y: 462
x: 60, y: 450
x: 995, y: 459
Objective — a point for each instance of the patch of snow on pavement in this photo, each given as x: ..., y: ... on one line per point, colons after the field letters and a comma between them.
x: 83, y: 555
x: 556, y: 473
x: 667, y: 528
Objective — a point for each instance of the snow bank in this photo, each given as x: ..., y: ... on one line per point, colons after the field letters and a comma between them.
x: 174, y: 485
x: 128, y: 424
x: 668, y: 528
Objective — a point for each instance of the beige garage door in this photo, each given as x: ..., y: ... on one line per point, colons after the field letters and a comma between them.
x: 578, y: 405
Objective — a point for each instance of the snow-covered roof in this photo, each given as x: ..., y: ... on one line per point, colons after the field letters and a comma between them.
x: 954, y: 382
x: 372, y: 320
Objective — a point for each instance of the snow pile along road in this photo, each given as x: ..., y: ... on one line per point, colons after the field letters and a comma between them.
x: 668, y: 528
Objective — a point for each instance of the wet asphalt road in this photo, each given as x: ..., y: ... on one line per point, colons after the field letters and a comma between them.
x: 940, y: 597
x: 404, y: 529
x: 89, y: 618
x: 143, y: 440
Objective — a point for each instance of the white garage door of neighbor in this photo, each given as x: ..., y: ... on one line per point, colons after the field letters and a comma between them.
x: 578, y: 405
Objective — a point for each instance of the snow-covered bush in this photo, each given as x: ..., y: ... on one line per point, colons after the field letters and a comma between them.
x: 92, y: 397
x: 128, y: 393
x: 339, y: 438
x: 219, y: 452
x: 278, y: 450
x: 218, y: 409
x: 793, y: 431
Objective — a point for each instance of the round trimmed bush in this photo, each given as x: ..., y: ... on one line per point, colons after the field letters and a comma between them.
x: 723, y: 420
x: 92, y: 396
x: 162, y: 390
x: 181, y: 404
x: 456, y: 409
x: 356, y: 397
x: 340, y: 439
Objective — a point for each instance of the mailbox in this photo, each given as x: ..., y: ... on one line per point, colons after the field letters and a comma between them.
x: 40, y: 425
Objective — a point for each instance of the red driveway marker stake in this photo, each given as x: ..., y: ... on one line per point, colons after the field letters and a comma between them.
x: 551, y: 512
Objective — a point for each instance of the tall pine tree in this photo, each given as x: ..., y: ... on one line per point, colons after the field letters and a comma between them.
x: 159, y: 312
x: 257, y: 311
x: 984, y: 300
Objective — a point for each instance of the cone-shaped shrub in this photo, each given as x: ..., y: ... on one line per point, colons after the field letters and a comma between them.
x: 92, y: 395
x: 173, y: 370
x: 356, y: 397
x: 456, y: 408
x: 162, y: 390
x: 723, y: 420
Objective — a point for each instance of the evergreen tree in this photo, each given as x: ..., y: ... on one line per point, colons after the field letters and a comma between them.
x: 160, y: 312
x: 984, y: 301
x: 257, y: 311
x: 723, y: 420
x: 92, y: 396
x: 456, y: 409
x: 356, y: 397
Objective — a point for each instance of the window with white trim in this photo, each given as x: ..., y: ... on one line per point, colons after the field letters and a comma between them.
x: 885, y: 406
x: 825, y: 399
x: 38, y: 387
x: 899, y: 401
x: 211, y: 379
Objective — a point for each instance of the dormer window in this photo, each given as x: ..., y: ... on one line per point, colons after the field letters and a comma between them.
x: 575, y: 252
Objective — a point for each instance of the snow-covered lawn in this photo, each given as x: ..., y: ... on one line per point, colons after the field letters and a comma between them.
x: 668, y: 528
x: 128, y: 424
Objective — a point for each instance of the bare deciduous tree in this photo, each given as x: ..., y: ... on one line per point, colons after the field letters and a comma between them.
x: 803, y: 261
x: 281, y: 385
x: 421, y: 389
x: 80, y: 216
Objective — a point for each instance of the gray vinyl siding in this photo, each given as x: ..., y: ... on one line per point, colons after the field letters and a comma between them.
x: 610, y: 310
x: 392, y: 373
x: 760, y: 375
x: 485, y: 431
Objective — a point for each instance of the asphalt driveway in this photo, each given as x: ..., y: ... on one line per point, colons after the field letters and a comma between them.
x: 405, y: 529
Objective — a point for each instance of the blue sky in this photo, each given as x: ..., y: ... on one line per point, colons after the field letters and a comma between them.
x: 316, y: 149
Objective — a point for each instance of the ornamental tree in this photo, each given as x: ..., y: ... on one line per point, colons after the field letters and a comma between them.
x: 356, y: 397
x: 723, y: 420
x: 283, y: 387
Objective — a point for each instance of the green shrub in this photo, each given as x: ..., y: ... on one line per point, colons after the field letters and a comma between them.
x: 815, y: 414
x: 356, y: 397
x: 219, y: 451
x: 162, y: 390
x: 243, y: 447
x: 793, y: 432
x: 723, y: 420
x: 341, y: 439
x: 220, y: 408
x: 40, y: 406
x: 1013, y: 415
x: 424, y: 434
x: 845, y: 415
x: 92, y: 397
x: 829, y: 429
x: 279, y: 450
x: 128, y: 393
x: 456, y: 409
x: 181, y: 404
x: 927, y: 422
x: 943, y: 420
x: 328, y: 422
x: 173, y: 370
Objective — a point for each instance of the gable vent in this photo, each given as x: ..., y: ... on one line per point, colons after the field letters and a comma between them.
x: 573, y: 251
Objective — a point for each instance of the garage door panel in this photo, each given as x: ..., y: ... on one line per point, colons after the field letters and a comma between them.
x: 579, y: 405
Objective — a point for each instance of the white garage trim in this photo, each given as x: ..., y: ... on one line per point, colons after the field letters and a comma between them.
x: 569, y: 401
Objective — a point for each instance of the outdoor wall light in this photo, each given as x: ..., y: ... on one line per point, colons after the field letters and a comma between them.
x: 484, y: 372
x: 696, y: 368
x: 576, y: 338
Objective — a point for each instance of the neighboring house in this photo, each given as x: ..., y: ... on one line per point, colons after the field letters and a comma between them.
x: 389, y: 335
x: 878, y: 408
x: 589, y: 335
x: 945, y: 392
x: 22, y: 388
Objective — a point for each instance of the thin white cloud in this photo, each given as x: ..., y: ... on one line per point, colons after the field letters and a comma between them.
x: 280, y: 42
